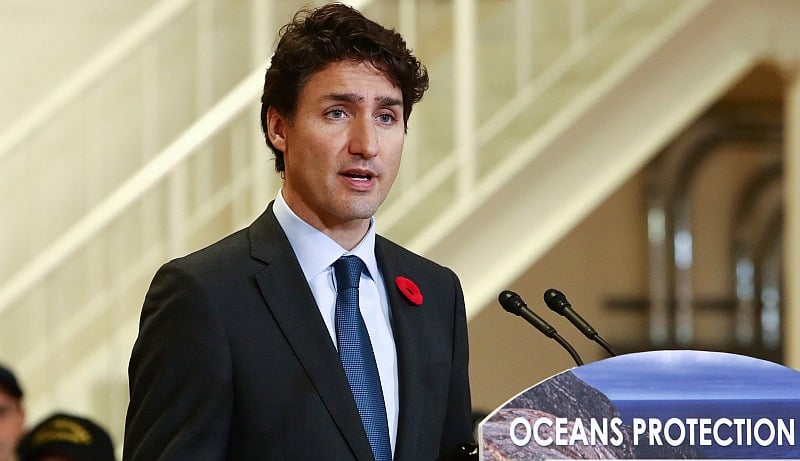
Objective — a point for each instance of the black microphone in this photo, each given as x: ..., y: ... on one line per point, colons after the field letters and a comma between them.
x: 558, y: 303
x: 513, y: 303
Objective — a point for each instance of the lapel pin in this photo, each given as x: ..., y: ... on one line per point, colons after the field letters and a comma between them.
x: 409, y: 289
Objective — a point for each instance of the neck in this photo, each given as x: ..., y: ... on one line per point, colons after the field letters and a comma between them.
x: 348, y: 233
x: 347, y: 236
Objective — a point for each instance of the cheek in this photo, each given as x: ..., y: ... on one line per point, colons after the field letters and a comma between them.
x: 394, y: 167
x: 394, y: 160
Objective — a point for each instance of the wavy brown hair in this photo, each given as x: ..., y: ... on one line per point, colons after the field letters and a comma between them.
x: 332, y: 33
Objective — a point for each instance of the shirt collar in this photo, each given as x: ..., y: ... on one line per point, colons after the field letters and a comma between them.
x: 316, y: 251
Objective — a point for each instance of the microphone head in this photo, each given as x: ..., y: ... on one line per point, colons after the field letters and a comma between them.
x: 511, y: 302
x: 556, y: 301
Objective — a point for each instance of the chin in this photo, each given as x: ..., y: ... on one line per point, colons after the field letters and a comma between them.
x: 362, y: 211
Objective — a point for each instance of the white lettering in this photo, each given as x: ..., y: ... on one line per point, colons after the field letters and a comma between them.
x: 579, y: 433
x: 655, y: 429
x: 562, y: 429
x: 617, y: 439
x: 723, y: 442
x: 519, y: 421
x: 542, y: 441
x: 740, y: 423
x: 599, y: 432
x: 705, y: 431
x: 786, y: 432
x: 692, y: 422
x: 639, y: 428
x: 668, y: 431
x: 722, y: 432
x: 764, y: 422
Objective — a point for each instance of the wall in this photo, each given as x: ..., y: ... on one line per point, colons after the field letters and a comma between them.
x: 605, y: 258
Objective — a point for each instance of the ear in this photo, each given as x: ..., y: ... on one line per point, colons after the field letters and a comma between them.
x: 276, y: 124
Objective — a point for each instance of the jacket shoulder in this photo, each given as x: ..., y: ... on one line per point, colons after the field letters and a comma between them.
x: 405, y: 257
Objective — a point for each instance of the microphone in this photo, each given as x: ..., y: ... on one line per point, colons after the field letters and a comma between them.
x: 513, y: 303
x: 558, y: 303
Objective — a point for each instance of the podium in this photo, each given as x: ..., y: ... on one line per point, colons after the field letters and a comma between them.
x: 680, y: 404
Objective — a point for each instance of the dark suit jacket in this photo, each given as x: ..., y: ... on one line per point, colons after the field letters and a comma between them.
x: 233, y: 360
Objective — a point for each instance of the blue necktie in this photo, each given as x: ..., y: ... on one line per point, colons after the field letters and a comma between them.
x: 358, y: 360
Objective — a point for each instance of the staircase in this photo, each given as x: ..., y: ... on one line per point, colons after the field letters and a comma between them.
x: 602, y: 133
x: 518, y: 139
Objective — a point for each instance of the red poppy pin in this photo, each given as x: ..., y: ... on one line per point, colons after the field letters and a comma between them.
x: 409, y: 289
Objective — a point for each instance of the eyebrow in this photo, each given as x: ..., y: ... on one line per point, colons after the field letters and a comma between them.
x: 355, y: 98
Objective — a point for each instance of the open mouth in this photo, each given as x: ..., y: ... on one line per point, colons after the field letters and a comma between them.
x: 358, y: 176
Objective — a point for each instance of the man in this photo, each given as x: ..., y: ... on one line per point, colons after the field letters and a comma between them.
x: 12, y: 415
x: 66, y: 437
x: 245, y: 351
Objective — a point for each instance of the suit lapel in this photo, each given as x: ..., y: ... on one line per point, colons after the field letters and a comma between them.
x: 408, y: 353
x: 292, y: 304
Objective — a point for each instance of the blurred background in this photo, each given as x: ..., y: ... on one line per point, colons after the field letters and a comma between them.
x: 639, y: 155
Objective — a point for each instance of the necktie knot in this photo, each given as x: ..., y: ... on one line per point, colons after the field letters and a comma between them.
x: 347, y: 270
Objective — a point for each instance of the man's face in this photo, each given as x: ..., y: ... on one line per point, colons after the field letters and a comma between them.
x: 343, y: 146
x: 12, y: 425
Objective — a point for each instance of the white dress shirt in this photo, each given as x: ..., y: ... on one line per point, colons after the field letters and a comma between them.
x: 316, y: 252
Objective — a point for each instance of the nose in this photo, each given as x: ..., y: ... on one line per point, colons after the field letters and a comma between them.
x: 364, y: 138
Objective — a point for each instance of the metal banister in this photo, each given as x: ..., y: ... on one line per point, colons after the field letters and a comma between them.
x: 237, y: 100
x: 93, y: 71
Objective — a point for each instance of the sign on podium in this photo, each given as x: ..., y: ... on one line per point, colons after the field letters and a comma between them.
x: 652, y: 405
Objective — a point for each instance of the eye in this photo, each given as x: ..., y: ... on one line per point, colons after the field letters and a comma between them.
x: 336, y: 113
x: 386, y: 118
